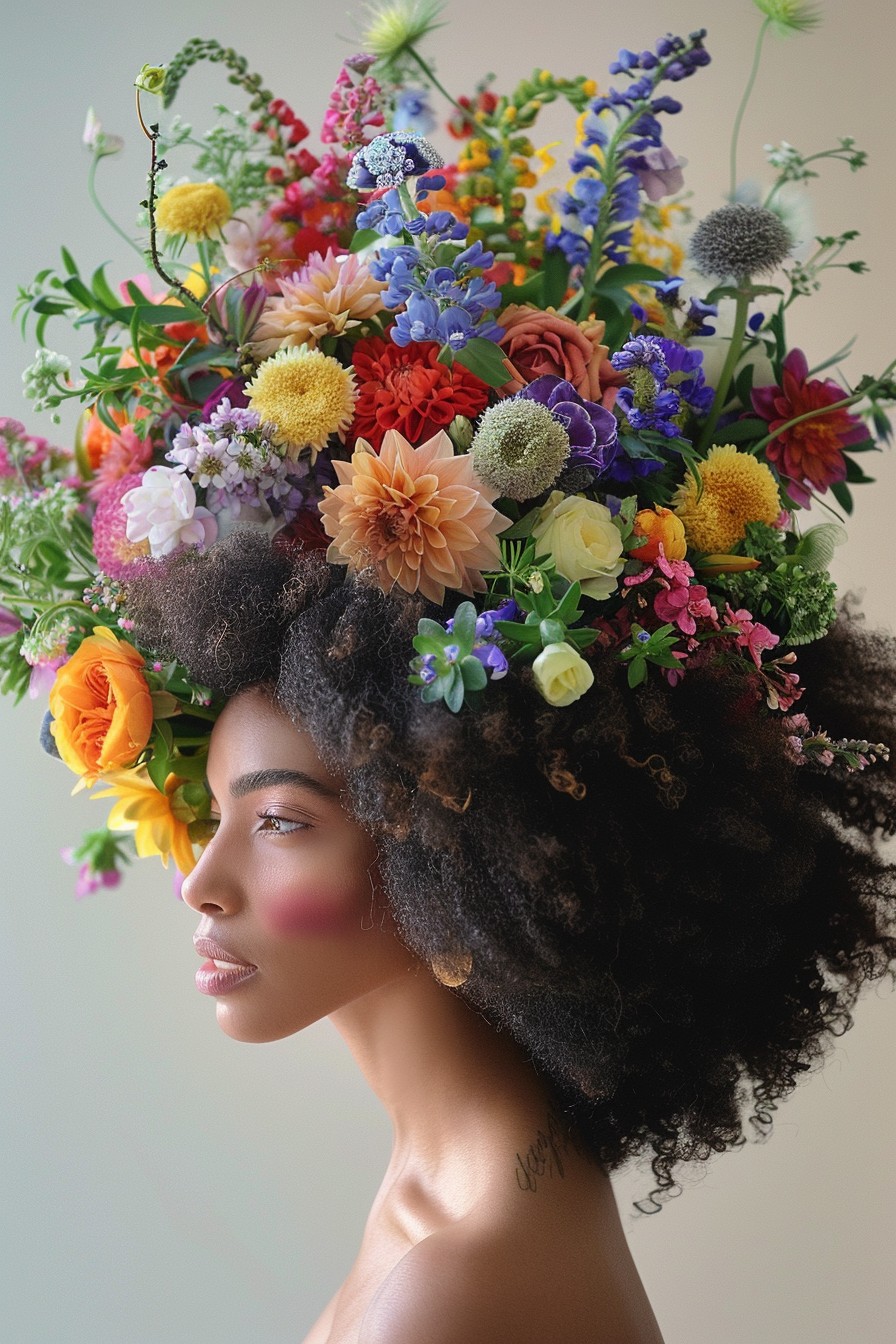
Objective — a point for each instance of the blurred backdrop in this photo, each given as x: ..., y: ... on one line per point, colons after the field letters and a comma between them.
x: 161, y: 1182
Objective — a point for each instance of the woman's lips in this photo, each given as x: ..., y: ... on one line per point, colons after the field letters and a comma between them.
x: 223, y: 971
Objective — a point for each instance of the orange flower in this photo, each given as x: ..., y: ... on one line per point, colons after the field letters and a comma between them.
x: 538, y: 341
x: 419, y: 516
x: 327, y: 297
x: 101, y: 706
x: 659, y: 526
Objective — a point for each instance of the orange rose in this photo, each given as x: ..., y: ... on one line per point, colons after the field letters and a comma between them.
x: 659, y: 525
x: 101, y: 706
x: 538, y: 341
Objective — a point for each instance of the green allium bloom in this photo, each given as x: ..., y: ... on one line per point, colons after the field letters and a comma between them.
x: 740, y: 240
x: 151, y: 79
x: 789, y: 16
x: 395, y: 27
x: 519, y: 448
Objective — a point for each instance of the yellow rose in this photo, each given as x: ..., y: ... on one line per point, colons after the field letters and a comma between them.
x: 561, y: 674
x: 659, y: 525
x: 101, y: 706
x: 583, y: 539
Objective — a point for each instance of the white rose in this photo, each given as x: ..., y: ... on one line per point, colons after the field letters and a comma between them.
x: 583, y: 539
x: 561, y: 674
x: 163, y: 511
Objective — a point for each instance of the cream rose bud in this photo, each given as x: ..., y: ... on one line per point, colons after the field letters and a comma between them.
x: 583, y: 539
x: 561, y: 674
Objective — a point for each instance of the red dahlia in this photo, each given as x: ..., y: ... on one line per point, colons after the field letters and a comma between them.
x: 406, y: 388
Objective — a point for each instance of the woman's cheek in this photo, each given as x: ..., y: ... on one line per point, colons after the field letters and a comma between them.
x: 292, y: 914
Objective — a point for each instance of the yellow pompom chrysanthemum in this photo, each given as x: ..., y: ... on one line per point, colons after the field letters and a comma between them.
x: 306, y: 394
x: 195, y: 209
x: 737, y: 489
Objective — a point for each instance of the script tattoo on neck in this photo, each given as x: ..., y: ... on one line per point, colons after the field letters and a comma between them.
x: 543, y: 1159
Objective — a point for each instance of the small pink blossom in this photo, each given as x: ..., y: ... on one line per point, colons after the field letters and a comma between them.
x: 163, y: 511
x: 126, y: 455
x: 753, y: 636
x: 254, y: 236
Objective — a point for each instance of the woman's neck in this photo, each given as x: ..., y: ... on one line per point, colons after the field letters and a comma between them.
x: 469, y: 1113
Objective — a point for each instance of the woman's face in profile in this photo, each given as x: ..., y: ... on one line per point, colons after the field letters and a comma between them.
x: 288, y: 887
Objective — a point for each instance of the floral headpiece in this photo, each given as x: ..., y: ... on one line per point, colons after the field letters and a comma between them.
x: 437, y: 371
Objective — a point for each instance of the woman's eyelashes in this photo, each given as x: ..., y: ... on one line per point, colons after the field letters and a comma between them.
x: 274, y: 823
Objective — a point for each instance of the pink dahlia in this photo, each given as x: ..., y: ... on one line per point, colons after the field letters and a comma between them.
x: 809, y: 456
x: 114, y: 553
x: 419, y: 516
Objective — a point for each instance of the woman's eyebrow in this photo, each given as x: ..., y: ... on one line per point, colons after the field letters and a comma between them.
x: 265, y: 779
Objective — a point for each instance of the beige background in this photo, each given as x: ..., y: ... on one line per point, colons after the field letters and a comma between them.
x: 160, y: 1182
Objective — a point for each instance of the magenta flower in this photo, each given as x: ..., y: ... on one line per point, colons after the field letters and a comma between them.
x: 754, y: 637
x: 809, y: 456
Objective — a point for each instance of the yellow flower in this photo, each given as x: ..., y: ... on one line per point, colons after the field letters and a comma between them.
x: 583, y: 539
x: 737, y: 489
x: 561, y: 674
x: 195, y: 209
x: 159, y: 820
x: 308, y: 396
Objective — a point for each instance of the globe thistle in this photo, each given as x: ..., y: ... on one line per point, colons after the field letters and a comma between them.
x: 519, y: 448
x: 740, y: 240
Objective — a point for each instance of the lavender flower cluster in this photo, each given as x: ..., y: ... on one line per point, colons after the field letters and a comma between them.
x: 232, y: 457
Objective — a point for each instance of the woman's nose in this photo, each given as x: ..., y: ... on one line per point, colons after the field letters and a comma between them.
x: 211, y: 887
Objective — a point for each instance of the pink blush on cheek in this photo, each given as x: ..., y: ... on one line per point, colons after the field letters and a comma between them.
x: 291, y: 915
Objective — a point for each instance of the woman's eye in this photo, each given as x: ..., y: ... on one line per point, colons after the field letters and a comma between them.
x: 273, y: 824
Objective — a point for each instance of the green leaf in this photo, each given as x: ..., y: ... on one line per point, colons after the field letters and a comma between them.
x: 530, y: 292
x: 620, y: 277
x: 431, y: 628
x: 843, y: 496
x: 68, y: 261
x: 520, y: 634
x: 555, y: 269
x: 102, y: 290
x: 637, y: 672
x: 475, y: 677
x: 618, y: 322
x: 567, y: 607
x: 740, y: 431
x: 454, y: 694
x: 158, y: 767
x: 855, y: 475
x: 522, y: 528
x: 815, y: 550
x: 363, y: 238
x: 464, y: 626
x: 552, y: 632
x: 485, y: 359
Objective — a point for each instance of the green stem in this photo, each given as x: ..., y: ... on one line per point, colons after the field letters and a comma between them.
x: 825, y: 410
x: 408, y: 205
x: 751, y: 80
x: 735, y: 346
x: 91, y: 191
x: 466, y: 111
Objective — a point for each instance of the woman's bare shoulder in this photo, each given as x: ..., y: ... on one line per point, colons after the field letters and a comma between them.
x: 463, y: 1287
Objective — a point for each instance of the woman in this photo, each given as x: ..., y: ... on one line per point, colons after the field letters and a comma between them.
x: 552, y: 939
